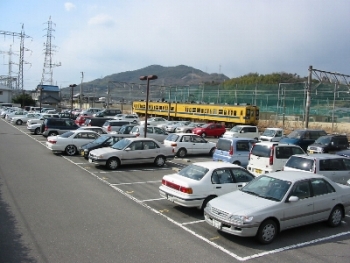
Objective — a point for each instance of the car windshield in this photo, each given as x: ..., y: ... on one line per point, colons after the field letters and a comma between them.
x: 236, y: 129
x: 205, y: 126
x: 120, y: 145
x: 66, y: 134
x: 194, y: 172
x: 295, y: 135
x: 323, y: 140
x: 268, y: 188
x: 269, y: 133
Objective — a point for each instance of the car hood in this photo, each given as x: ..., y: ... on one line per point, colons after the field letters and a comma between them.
x: 104, y: 150
x: 288, y: 140
x: 240, y: 203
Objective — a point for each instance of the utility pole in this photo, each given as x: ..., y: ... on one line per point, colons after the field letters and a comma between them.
x: 81, y: 91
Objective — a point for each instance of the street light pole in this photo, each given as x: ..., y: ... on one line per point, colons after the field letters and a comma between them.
x: 148, y: 78
x: 72, y: 92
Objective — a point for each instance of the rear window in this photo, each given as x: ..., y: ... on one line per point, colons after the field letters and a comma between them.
x: 194, y: 172
x: 261, y: 150
x: 286, y: 152
x: 223, y: 145
x: 300, y: 163
x: 172, y: 137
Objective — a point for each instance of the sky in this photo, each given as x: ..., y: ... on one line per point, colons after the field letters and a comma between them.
x: 94, y: 39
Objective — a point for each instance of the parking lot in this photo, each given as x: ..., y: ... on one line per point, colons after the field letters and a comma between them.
x: 140, y: 183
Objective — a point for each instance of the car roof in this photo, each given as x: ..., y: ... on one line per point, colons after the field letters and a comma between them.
x: 88, y: 131
x: 215, y: 165
x: 236, y: 139
x: 185, y: 133
x: 277, y: 144
x: 320, y: 156
x: 141, y: 139
x: 293, y: 176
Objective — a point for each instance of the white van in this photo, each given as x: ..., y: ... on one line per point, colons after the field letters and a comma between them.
x: 268, y: 157
x: 243, y: 131
x: 272, y: 135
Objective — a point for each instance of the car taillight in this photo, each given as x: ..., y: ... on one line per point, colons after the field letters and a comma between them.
x: 137, y: 134
x: 250, y: 152
x: 174, y: 144
x: 186, y: 190
x: 231, y: 150
x: 45, y: 128
x: 109, y: 128
x: 52, y: 141
x: 271, y: 155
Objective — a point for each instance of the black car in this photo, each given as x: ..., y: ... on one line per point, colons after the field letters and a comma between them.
x: 126, y: 129
x: 105, y: 140
x: 56, y: 126
x: 329, y: 144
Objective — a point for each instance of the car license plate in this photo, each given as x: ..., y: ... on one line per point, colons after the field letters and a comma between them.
x: 82, y: 153
x: 311, y: 152
x: 170, y: 198
x: 258, y: 171
x: 90, y: 161
x: 216, y: 224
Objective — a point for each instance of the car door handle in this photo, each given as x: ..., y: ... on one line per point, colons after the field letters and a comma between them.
x: 240, y: 185
x: 218, y: 187
x: 309, y: 205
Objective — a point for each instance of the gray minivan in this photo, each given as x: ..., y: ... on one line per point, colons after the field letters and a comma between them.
x: 233, y: 150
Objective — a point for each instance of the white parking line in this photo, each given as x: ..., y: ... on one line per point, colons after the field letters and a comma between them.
x: 193, y: 222
x: 138, y: 170
x: 142, y: 182
x: 151, y: 200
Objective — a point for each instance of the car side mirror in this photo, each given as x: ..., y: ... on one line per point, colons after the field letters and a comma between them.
x: 128, y: 149
x: 293, y: 199
x: 332, y: 143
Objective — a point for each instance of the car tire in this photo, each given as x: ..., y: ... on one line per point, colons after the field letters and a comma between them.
x: 188, y: 131
x: 211, y: 153
x: 113, y: 163
x: 71, y: 150
x: 19, y: 122
x: 37, y: 131
x: 159, y: 161
x: 181, y: 152
x: 204, y: 135
x: 53, y: 133
x: 237, y: 163
x: 267, y: 231
x: 335, y: 217
x: 206, y: 201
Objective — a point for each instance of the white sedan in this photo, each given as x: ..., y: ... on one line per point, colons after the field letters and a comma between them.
x: 197, y: 184
x: 131, y: 151
x: 185, y: 143
x: 70, y: 141
x: 278, y: 201
x: 19, y: 120
x: 155, y: 121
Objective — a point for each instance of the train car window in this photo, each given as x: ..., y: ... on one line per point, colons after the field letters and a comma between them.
x: 257, y: 113
x: 225, y: 112
x: 234, y: 113
x: 220, y: 112
x: 193, y: 109
x: 198, y: 110
x: 248, y: 112
x: 215, y: 111
x: 241, y: 113
x: 202, y: 110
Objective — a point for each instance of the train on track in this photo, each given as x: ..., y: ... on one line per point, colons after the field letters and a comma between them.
x: 231, y: 115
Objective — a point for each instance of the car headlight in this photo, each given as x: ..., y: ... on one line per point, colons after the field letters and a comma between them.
x: 240, y: 220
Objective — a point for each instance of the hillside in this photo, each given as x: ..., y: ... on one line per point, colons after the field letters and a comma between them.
x: 167, y: 76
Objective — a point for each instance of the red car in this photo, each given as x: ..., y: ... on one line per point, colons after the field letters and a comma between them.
x: 80, y: 120
x: 210, y: 129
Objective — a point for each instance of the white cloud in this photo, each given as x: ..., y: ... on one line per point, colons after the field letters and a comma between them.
x: 69, y: 6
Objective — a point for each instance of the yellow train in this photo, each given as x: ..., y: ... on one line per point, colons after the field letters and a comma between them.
x: 229, y: 114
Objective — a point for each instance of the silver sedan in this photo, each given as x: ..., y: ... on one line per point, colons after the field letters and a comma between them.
x: 278, y: 201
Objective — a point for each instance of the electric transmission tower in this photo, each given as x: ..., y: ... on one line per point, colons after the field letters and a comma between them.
x: 47, y: 75
x: 9, y: 79
x: 22, y: 49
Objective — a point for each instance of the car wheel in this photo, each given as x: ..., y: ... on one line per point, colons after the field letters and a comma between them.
x: 159, y: 161
x: 237, y: 163
x: 19, y: 122
x: 204, y: 135
x: 71, y: 150
x: 37, y: 131
x: 267, y: 231
x: 206, y: 201
x: 113, y: 163
x: 188, y: 131
x: 53, y: 133
x: 335, y: 217
x: 182, y: 152
x: 211, y: 153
